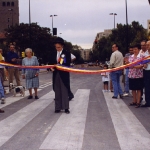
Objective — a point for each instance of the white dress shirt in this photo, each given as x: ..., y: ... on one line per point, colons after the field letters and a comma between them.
x: 58, y: 54
x: 148, y: 65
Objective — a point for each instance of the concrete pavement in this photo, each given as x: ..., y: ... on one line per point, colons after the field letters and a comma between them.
x: 96, y: 122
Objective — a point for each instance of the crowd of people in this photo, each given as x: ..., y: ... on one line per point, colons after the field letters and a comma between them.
x: 13, y: 58
x: 61, y: 79
x: 137, y: 77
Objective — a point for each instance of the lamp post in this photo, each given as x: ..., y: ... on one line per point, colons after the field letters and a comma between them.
x: 60, y: 34
x: 114, y: 14
x: 126, y: 26
x: 29, y: 24
x: 12, y: 13
x: 29, y: 13
x: 52, y: 21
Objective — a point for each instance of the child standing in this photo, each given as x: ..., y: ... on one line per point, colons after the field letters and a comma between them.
x: 105, y: 78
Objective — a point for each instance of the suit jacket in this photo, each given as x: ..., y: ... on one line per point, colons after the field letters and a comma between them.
x: 65, y: 76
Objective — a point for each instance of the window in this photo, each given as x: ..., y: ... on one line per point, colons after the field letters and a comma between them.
x: 3, y: 4
x: 8, y: 3
x: 12, y: 4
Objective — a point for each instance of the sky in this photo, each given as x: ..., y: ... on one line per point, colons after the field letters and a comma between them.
x: 80, y: 20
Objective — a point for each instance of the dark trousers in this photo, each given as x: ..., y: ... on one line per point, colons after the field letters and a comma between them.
x: 147, y: 86
x: 61, y: 94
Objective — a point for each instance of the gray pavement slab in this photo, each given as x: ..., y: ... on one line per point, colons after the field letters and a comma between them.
x: 99, y: 130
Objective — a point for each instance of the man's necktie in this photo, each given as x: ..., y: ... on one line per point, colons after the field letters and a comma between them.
x: 58, y: 57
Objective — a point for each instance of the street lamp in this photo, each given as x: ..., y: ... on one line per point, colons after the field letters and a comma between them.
x: 52, y: 21
x: 126, y: 26
x: 114, y: 18
x: 29, y: 24
x: 60, y: 34
x: 12, y: 13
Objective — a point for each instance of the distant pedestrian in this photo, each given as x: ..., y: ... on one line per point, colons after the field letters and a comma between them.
x: 136, y: 76
x: 105, y: 79
x: 13, y: 58
x: 31, y: 75
x: 116, y: 60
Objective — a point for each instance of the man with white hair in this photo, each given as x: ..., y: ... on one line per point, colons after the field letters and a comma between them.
x: 147, y: 78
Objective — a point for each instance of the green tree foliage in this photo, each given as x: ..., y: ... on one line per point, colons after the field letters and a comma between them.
x: 136, y: 33
x: 35, y: 37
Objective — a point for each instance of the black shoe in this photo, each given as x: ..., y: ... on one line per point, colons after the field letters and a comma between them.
x: 145, y: 105
x: 30, y: 97
x: 121, y: 96
x: 114, y: 97
x: 2, y: 111
x: 57, y: 111
x: 36, y: 97
x: 71, y: 97
x: 67, y: 111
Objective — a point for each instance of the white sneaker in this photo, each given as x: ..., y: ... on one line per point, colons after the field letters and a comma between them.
x: 126, y: 94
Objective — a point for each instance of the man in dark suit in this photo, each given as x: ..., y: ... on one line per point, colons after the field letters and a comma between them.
x: 61, y: 78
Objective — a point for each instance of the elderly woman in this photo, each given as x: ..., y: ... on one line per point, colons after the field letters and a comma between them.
x: 31, y: 75
x: 136, y: 76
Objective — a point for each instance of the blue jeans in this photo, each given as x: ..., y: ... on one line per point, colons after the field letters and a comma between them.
x: 1, y: 90
x: 115, y: 77
x: 126, y: 81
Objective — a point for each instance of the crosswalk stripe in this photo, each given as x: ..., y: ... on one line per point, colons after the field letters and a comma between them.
x: 68, y: 132
x: 12, y: 99
x: 12, y: 124
x: 130, y: 132
x: 45, y: 85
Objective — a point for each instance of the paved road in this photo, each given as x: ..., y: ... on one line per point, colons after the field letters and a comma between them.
x: 96, y: 121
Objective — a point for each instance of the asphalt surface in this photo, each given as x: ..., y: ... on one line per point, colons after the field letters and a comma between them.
x: 96, y: 121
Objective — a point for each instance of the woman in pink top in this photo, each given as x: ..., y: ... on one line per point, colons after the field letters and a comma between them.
x: 136, y: 76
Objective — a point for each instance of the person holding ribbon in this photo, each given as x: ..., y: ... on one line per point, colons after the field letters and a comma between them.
x: 116, y: 60
x: 31, y: 75
x: 13, y: 58
x: 147, y: 78
x: 61, y: 78
x: 136, y: 76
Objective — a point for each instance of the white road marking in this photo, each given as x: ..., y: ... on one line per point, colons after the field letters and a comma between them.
x: 12, y: 99
x: 68, y: 132
x: 130, y: 132
x: 12, y: 124
x: 45, y: 85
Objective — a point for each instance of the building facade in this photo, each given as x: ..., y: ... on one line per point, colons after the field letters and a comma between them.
x: 106, y: 33
x: 100, y: 35
x: 9, y: 13
x: 85, y: 54
x: 148, y: 26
